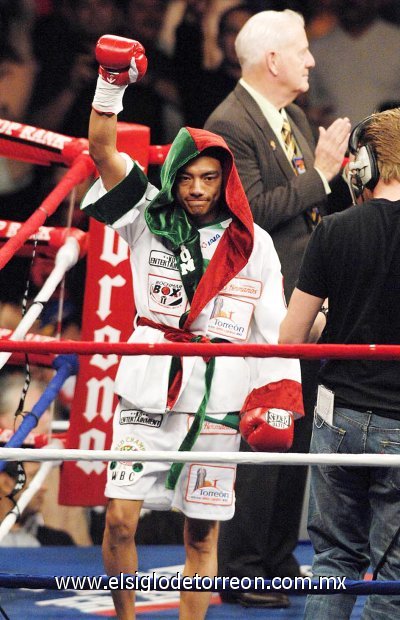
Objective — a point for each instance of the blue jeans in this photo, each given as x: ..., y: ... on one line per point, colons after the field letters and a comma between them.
x: 354, y: 512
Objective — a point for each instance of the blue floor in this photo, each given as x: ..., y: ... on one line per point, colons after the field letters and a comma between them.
x: 20, y: 604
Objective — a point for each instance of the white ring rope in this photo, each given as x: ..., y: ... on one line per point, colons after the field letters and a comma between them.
x: 247, y: 458
x: 59, y: 426
x: 66, y: 257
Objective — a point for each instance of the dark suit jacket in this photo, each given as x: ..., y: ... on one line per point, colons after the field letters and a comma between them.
x: 278, y: 198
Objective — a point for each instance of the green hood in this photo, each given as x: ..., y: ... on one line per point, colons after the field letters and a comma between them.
x: 167, y: 219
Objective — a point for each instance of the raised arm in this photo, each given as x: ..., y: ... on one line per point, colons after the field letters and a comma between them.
x: 122, y: 61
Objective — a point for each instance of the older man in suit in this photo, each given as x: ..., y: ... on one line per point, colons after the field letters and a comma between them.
x: 290, y: 182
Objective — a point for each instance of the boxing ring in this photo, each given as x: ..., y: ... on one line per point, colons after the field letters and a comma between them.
x: 84, y: 452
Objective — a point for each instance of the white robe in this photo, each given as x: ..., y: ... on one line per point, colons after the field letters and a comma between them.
x: 250, y: 308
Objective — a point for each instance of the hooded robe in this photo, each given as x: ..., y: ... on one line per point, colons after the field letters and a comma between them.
x: 221, y: 281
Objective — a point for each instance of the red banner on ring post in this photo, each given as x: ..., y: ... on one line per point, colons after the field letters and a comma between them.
x: 108, y: 314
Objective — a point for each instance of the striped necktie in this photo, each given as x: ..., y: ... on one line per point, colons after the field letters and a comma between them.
x: 289, y: 141
x: 293, y: 151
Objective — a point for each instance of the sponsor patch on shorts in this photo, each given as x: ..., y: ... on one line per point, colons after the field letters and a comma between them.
x: 123, y: 473
x: 210, y: 484
x: 135, y: 416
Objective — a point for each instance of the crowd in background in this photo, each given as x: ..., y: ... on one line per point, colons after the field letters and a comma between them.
x: 48, y: 74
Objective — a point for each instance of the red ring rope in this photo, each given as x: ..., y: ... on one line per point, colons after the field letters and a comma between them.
x: 79, y: 171
x: 303, y: 351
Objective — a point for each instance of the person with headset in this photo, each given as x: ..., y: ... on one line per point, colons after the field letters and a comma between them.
x: 353, y: 260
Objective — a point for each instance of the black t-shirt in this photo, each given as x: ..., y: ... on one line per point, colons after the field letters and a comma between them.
x: 353, y: 258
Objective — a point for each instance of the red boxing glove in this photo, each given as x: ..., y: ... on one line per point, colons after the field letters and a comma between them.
x: 267, y: 430
x: 122, y: 61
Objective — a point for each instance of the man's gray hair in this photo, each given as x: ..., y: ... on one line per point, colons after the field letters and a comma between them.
x: 265, y: 31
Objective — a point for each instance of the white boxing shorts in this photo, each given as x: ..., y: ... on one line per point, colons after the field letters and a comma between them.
x: 203, y: 491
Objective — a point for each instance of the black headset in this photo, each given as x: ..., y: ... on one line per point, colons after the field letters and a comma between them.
x: 363, y: 171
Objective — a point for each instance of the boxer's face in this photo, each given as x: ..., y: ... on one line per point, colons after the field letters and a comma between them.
x: 198, y: 189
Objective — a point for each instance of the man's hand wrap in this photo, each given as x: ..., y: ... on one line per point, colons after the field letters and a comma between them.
x: 267, y: 429
x: 122, y: 61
